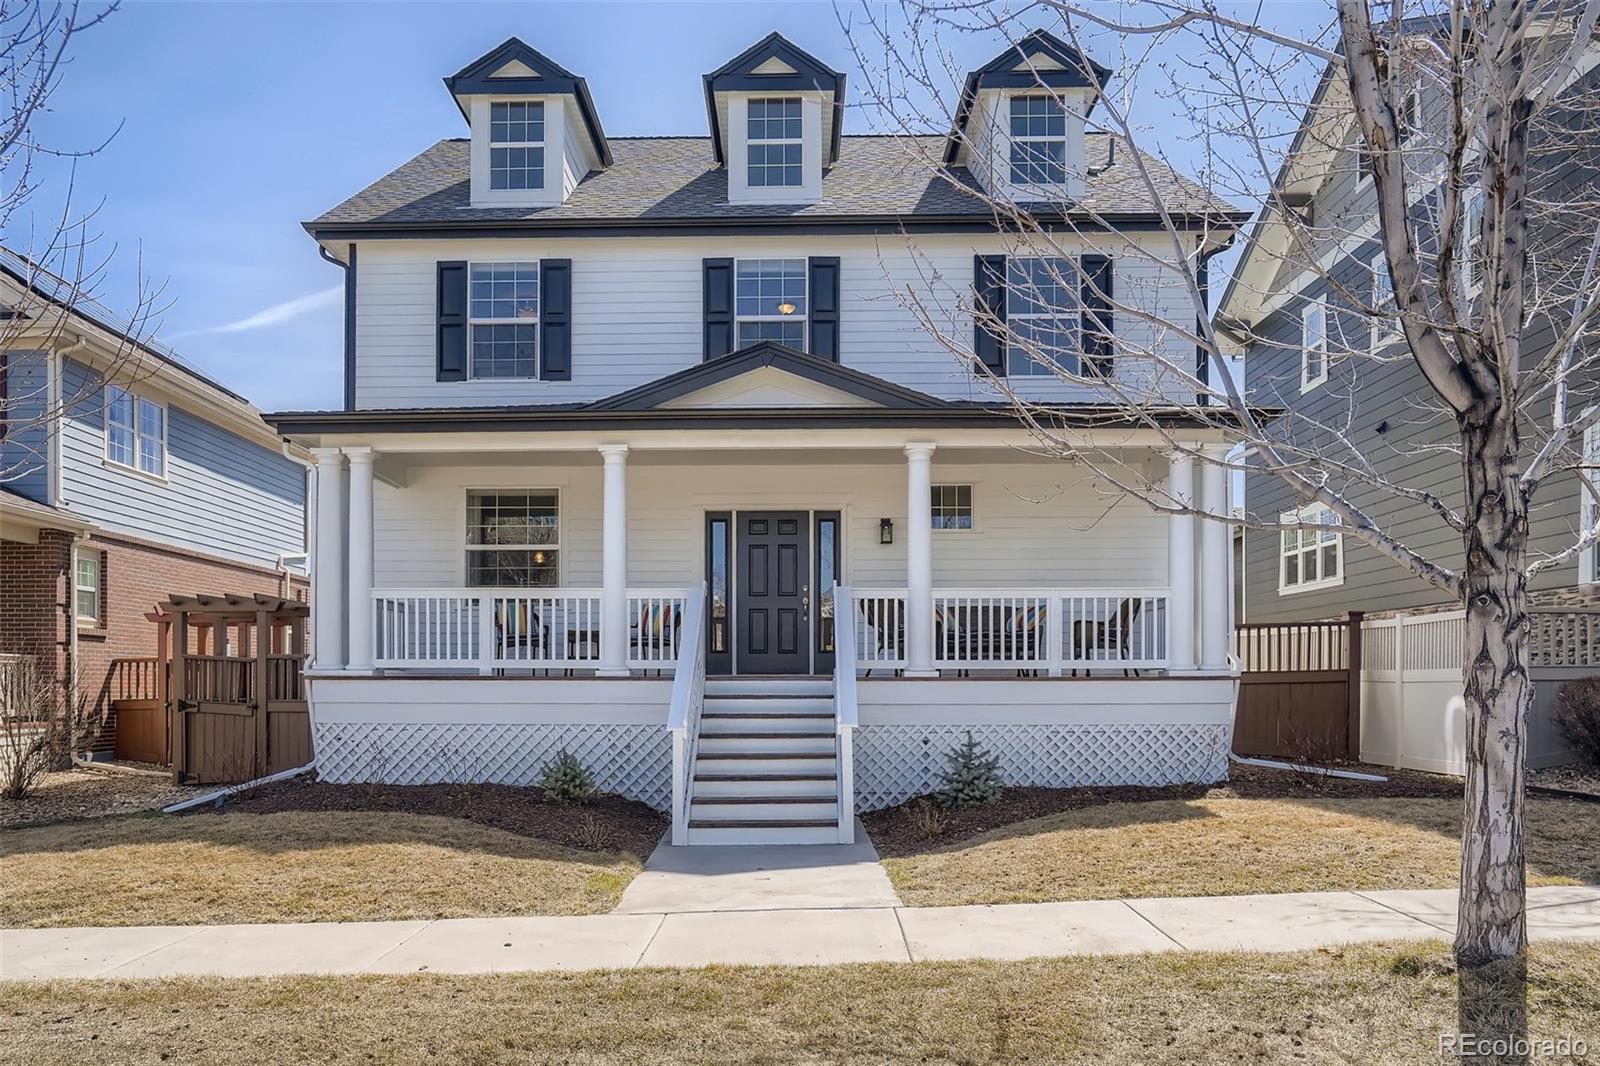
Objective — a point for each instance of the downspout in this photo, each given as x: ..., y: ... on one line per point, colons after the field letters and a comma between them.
x: 349, y: 268
x: 79, y: 540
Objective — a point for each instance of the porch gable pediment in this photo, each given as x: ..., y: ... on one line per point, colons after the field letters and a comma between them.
x: 768, y: 375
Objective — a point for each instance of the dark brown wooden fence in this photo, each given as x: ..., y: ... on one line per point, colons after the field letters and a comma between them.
x: 138, y: 697
x: 1299, y: 690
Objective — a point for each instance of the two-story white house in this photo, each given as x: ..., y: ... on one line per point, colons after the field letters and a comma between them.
x: 643, y: 456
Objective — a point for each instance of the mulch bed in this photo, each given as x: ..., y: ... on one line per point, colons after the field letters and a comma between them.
x: 895, y: 831
x: 622, y: 824
x: 77, y: 793
x: 1567, y: 779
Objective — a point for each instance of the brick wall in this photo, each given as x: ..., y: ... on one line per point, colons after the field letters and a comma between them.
x: 134, y: 577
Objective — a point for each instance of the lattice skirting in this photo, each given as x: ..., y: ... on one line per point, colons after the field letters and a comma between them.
x: 630, y: 760
x: 895, y: 762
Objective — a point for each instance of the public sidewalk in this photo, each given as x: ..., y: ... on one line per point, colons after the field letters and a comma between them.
x: 785, y: 936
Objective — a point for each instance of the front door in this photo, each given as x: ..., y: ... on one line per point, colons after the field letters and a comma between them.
x: 773, y: 613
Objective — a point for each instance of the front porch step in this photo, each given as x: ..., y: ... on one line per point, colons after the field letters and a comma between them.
x: 768, y: 686
x: 766, y: 742
x: 723, y: 723
x: 757, y: 705
x: 720, y: 835
x: 786, y: 809
x: 739, y: 786
x: 766, y: 762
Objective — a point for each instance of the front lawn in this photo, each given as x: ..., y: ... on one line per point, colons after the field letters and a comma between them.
x: 1227, y: 845
x: 1368, y: 1004
x: 289, y: 866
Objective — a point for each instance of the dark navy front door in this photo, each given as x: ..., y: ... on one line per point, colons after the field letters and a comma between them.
x: 773, y: 592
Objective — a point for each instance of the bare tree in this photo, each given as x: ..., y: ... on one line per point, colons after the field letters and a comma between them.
x: 1475, y: 121
x: 52, y: 267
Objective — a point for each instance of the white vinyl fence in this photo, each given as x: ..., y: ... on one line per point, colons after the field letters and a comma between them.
x: 1412, y: 711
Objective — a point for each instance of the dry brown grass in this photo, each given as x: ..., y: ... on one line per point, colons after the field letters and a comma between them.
x: 1372, y: 1004
x: 1219, y: 847
x: 308, y: 866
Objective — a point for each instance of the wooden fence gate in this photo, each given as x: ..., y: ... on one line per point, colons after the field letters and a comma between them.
x: 1299, y: 690
x: 239, y: 712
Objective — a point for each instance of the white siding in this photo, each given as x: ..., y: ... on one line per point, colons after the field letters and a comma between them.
x: 1037, y: 524
x: 637, y: 313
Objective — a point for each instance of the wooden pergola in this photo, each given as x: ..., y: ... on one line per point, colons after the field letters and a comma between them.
x: 237, y: 706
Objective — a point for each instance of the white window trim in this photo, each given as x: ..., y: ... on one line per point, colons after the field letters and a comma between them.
x: 1589, y: 507
x: 1471, y: 277
x: 538, y: 349
x: 751, y: 142
x: 972, y: 494
x: 803, y: 319
x: 1011, y: 139
x: 1409, y: 130
x: 468, y: 548
x: 1076, y: 265
x: 1308, y: 513
x: 99, y: 604
x: 1382, y: 334
x: 1307, y: 382
x: 544, y: 167
x: 134, y: 467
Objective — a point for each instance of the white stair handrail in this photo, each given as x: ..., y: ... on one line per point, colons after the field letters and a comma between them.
x: 846, y: 714
x: 683, y: 712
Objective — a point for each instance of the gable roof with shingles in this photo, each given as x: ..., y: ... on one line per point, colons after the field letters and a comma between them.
x: 675, y: 180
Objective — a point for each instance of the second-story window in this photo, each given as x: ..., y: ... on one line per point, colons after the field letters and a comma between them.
x: 774, y: 143
x: 1313, y: 345
x: 770, y: 301
x: 136, y: 432
x: 1472, y: 240
x: 1042, y: 316
x: 516, y: 145
x: 1038, y: 141
x: 1386, y: 328
x: 503, y: 313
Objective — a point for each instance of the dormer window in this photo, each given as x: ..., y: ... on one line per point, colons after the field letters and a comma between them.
x: 770, y: 301
x: 516, y: 144
x: 775, y: 143
x: 1038, y: 141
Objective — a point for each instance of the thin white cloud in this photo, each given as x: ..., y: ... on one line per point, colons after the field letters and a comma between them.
x: 275, y: 315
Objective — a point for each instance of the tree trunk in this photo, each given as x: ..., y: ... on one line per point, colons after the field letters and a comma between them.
x: 1491, y: 937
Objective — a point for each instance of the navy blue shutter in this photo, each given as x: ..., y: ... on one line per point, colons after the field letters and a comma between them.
x: 1097, y: 325
x: 824, y: 313
x: 989, y: 296
x: 452, y: 322
x: 555, y: 319
x: 718, y: 295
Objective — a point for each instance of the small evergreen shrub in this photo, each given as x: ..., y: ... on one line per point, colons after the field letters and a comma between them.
x: 1578, y: 718
x: 565, y: 780
x: 971, y: 776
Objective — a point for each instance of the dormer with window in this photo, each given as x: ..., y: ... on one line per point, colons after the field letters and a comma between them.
x: 1020, y: 121
x: 775, y: 115
x: 535, y: 133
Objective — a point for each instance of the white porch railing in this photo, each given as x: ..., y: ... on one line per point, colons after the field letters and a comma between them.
x: 1024, y: 629
x: 495, y: 629
x: 845, y: 712
x: 683, y: 713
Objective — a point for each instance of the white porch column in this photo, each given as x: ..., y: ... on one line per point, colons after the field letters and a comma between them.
x: 327, y: 585
x: 919, y: 560
x: 614, y: 563
x: 1180, y: 562
x: 1214, y: 590
x: 359, y: 602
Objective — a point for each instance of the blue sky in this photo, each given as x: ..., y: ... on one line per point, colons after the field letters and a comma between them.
x: 241, y: 120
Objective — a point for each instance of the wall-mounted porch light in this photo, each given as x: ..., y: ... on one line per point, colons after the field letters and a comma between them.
x: 885, y: 531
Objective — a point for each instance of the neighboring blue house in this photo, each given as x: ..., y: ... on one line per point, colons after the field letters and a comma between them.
x: 153, y: 480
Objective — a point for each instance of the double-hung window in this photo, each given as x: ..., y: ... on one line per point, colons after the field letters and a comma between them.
x: 136, y: 432
x: 1038, y: 141
x: 769, y: 298
x: 86, y: 587
x: 516, y: 144
x: 1313, y: 345
x: 513, y: 539
x: 503, y: 316
x: 1310, y: 558
x: 952, y: 507
x: 1385, y: 327
x: 774, y: 143
x: 1472, y: 240
x: 1043, y: 316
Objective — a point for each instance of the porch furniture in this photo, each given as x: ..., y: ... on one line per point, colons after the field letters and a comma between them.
x: 986, y: 632
x: 1091, y: 638
x: 885, y: 636
x: 517, y: 627
x: 582, y: 644
x: 655, y: 634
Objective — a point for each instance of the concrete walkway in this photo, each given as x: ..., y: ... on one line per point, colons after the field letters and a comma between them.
x: 760, y: 878
x: 788, y: 937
